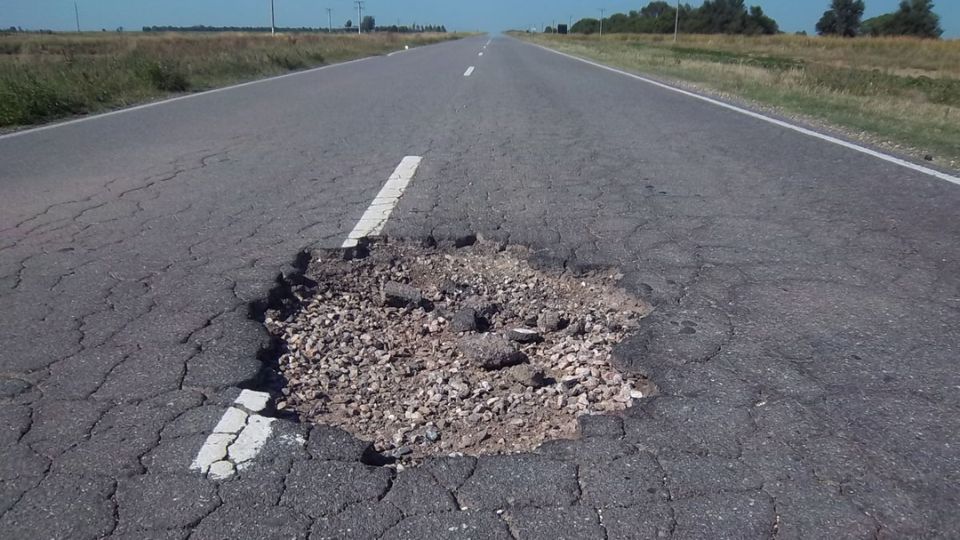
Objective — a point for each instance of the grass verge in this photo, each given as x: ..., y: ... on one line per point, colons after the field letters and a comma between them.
x: 44, y: 77
x: 899, y: 93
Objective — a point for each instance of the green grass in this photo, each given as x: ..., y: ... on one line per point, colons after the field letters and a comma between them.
x: 44, y: 77
x: 900, y: 93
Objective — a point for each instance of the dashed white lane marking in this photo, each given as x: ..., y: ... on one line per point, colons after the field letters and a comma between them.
x: 250, y: 440
x: 237, y: 438
x: 856, y: 147
x: 468, y: 72
x: 253, y: 401
x: 374, y: 219
x: 481, y: 54
x: 178, y: 98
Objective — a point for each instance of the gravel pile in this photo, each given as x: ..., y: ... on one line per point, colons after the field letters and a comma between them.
x: 429, y: 351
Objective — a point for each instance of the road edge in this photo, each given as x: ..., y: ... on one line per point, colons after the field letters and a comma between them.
x: 808, y: 131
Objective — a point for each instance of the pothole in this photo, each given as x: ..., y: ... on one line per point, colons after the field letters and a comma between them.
x: 429, y: 351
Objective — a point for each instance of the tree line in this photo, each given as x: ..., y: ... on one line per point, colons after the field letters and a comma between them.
x: 912, y: 18
x: 843, y: 18
x: 368, y: 24
x: 713, y: 17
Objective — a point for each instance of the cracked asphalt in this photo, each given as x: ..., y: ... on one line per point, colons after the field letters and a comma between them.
x: 804, y: 338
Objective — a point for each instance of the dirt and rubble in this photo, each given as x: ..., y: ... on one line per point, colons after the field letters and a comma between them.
x: 428, y: 351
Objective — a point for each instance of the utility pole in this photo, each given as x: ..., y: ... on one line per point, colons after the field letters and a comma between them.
x: 273, y: 20
x: 359, y: 4
x: 329, y: 20
x: 676, y: 23
x: 601, y: 21
x: 76, y: 12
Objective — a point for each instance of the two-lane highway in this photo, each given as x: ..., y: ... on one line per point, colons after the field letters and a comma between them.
x: 817, y: 395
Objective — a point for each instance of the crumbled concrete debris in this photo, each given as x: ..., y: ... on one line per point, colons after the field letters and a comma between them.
x: 549, y: 321
x: 466, y: 320
x: 401, y: 295
x: 523, y: 335
x: 491, y: 351
x: 428, y: 351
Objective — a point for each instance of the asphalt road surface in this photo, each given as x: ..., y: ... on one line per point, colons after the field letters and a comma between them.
x: 816, y: 396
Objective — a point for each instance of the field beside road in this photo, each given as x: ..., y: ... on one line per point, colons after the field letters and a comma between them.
x: 899, y: 93
x: 44, y: 77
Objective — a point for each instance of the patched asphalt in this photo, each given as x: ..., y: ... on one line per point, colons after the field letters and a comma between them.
x: 804, y: 338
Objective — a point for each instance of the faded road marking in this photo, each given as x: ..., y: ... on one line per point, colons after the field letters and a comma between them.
x: 373, y: 220
x: 237, y: 438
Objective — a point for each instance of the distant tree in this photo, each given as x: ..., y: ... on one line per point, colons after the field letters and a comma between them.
x: 548, y: 30
x: 713, y: 17
x: 586, y: 26
x: 348, y: 24
x: 877, y: 26
x: 722, y: 17
x: 759, y: 23
x: 842, y: 19
x: 655, y: 10
x: 914, y: 18
x: 368, y: 24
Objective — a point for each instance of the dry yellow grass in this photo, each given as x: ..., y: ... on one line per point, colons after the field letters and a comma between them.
x: 933, y: 58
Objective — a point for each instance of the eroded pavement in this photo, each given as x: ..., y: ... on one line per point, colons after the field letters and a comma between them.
x: 803, y: 340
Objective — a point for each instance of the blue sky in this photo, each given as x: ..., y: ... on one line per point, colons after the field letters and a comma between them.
x: 489, y: 15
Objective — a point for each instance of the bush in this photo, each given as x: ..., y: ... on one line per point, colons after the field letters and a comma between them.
x: 27, y: 99
x: 167, y: 78
x: 288, y: 62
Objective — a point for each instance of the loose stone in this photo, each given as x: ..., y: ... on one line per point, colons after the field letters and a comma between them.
x: 426, y: 351
x: 401, y: 295
x: 491, y: 351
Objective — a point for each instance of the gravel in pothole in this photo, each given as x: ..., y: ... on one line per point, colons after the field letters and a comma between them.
x: 427, y: 351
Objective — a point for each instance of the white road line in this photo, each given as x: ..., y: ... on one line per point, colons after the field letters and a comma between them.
x: 376, y: 216
x: 856, y: 147
x: 468, y: 72
x: 404, y: 49
x: 481, y: 54
x: 237, y: 438
x: 175, y: 99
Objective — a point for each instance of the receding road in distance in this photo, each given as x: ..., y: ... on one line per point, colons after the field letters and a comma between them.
x: 818, y: 396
